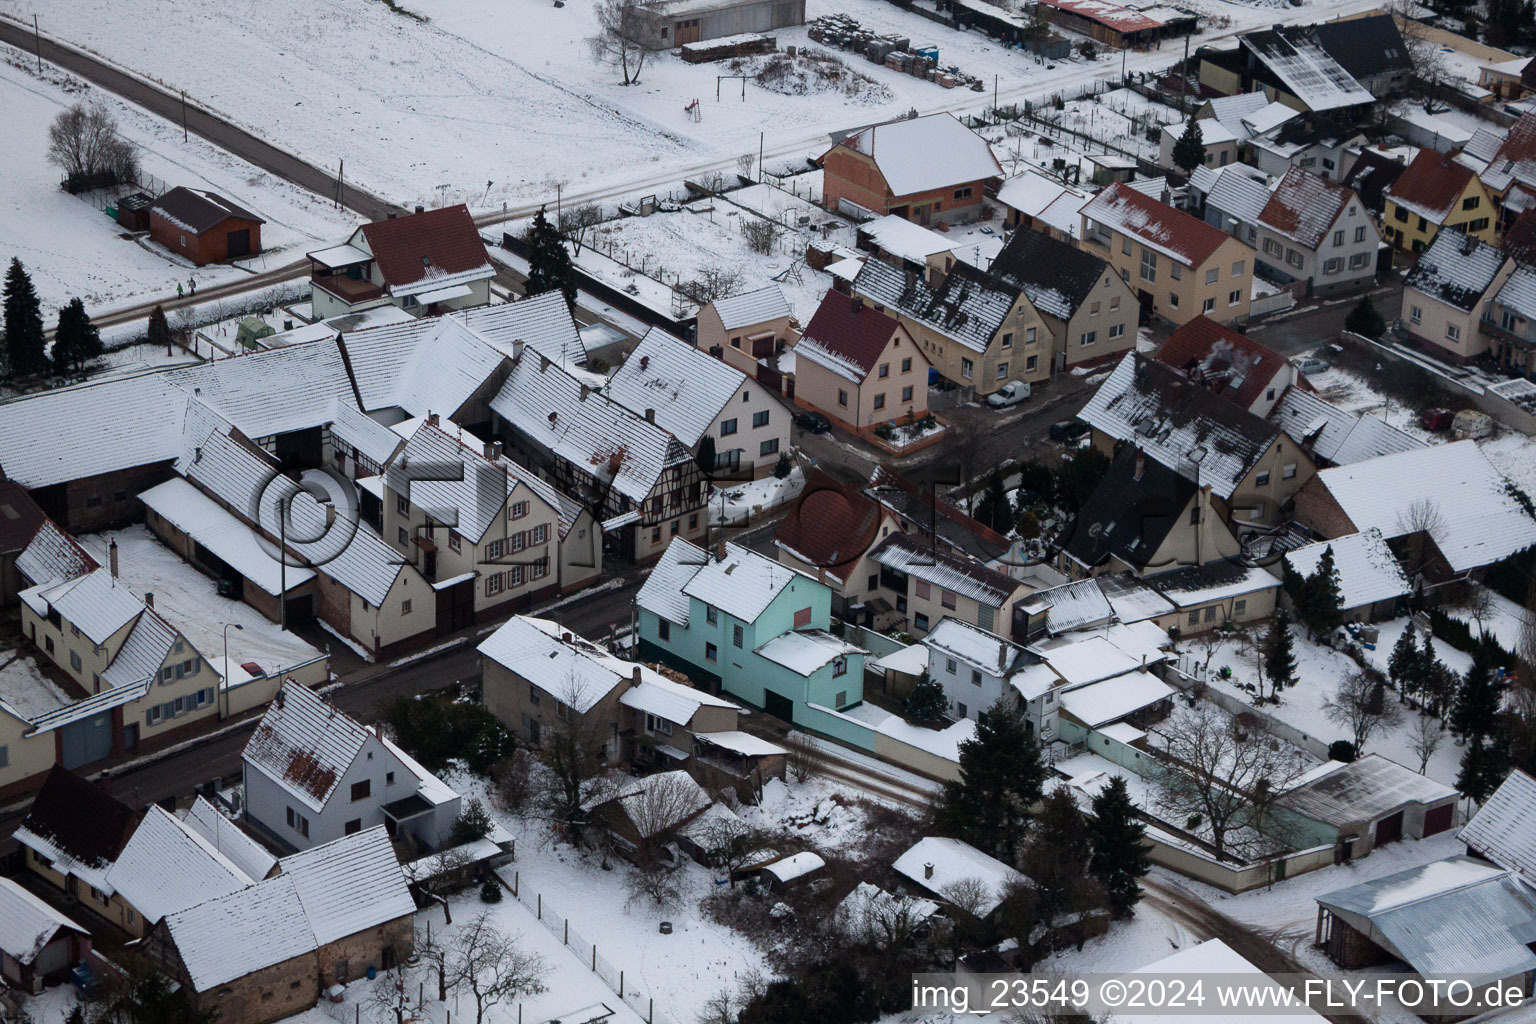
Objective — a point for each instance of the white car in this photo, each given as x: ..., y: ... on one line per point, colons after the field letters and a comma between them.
x: 1012, y: 393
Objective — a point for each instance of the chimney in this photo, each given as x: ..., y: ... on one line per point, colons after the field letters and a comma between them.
x: 856, y: 304
x: 517, y: 349
x: 112, y: 558
x: 197, y: 454
x: 490, y: 451
x: 330, y: 514
x: 650, y: 415
x: 1141, y: 463
x: 928, y: 869
x: 149, y: 599
x: 720, y: 551
x: 565, y: 637
x: 432, y: 418
x: 634, y: 675
x: 391, y: 215
x: 645, y: 362
x: 543, y: 362
x: 420, y: 208
x: 585, y: 391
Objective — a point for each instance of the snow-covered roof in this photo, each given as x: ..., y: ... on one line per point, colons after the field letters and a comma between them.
x: 224, y: 835
x: 1193, y: 585
x: 1156, y: 225
x: 1515, y: 160
x: 98, y: 603
x: 1295, y: 56
x: 1231, y: 109
x: 653, y: 803
x: 1032, y: 193
x: 806, y: 651
x: 1113, y: 699
x: 1035, y: 680
x: 1212, y: 132
x: 1431, y: 185
x: 1363, y: 791
x: 274, y: 391
x: 27, y: 924
x: 662, y: 592
x: 1335, y: 435
x: 964, y: 576
x: 1368, y: 571
x: 676, y: 702
x: 1457, y: 270
x: 1112, y: 16
x: 1132, y: 598
x: 752, y: 308
x: 973, y: 645
x: 1504, y: 828
x: 1267, y: 118
x: 1074, y: 605
x: 352, y: 428
x: 1081, y: 660
x: 684, y: 387
x: 570, y: 668
x: 1199, y: 435
x: 1452, y: 917
x: 741, y: 742
x: 911, y: 660
x: 428, y: 786
x: 427, y: 366
x: 1518, y: 294
x: 904, y: 239
x: 968, y: 307
x: 1237, y: 194
x: 304, y: 745
x: 52, y: 555
x: 868, y: 905
x: 1214, y: 956
x: 1304, y: 207
x: 471, y: 502
x: 796, y: 865
x: 920, y: 154
x: 587, y: 429
x: 167, y: 867
x: 1480, y: 522
x: 953, y: 862
x: 349, y: 885
x: 743, y: 583
x: 245, y: 931
x: 205, y: 521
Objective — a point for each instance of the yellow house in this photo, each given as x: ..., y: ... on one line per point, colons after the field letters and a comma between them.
x: 1436, y: 192
x: 1180, y: 266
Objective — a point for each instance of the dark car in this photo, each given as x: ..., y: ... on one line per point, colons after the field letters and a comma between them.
x: 1066, y: 430
x: 812, y: 422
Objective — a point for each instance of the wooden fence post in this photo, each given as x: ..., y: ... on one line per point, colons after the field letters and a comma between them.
x: 540, y: 898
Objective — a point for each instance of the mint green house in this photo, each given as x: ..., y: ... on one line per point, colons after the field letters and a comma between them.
x: 743, y: 623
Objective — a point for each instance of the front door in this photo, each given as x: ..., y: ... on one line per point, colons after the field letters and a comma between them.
x: 779, y: 706
x: 239, y: 243
x: 130, y: 736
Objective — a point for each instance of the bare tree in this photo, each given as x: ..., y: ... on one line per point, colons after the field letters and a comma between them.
x: 744, y: 164
x: 83, y: 140
x: 512, y: 781
x: 1424, y: 739
x: 970, y: 896
x: 574, y: 222
x: 627, y: 34
x: 1359, y: 705
x: 711, y: 284
x: 573, y: 752
x: 491, y: 966
x: 1227, y: 779
x: 658, y: 805
x: 761, y: 235
x: 1421, y: 523
x: 652, y: 880
x: 870, y: 916
x: 719, y: 1008
x: 728, y: 842
x: 439, y: 875
x: 1479, y: 604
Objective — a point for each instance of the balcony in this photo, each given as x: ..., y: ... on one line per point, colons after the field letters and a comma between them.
x: 349, y: 290
x: 1497, y: 331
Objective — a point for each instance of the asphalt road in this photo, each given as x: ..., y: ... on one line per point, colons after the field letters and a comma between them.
x: 1305, y: 329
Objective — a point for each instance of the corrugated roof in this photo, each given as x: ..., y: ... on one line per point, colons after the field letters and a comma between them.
x: 428, y: 245
x: 349, y: 885
x: 1363, y: 791
x: 1457, y: 270
x: 684, y: 387
x: 846, y: 335
x: 1504, y: 828
x: 304, y: 745
x: 225, y: 836
x: 752, y: 308
x: 973, y: 645
x: 1157, y: 225
x: 1074, y: 605
x: 98, y: 604
x: 1368, y: 571
x: 968, y: 307
x: 1334, y: 435
x: 166, y: 868
x: 923, y: 153
x: 241, y: 933
x: 941, y: 569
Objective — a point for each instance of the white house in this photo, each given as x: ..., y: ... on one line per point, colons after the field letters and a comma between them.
x: 977, y: 668
x: 313, y: 775
x: 428, y: 263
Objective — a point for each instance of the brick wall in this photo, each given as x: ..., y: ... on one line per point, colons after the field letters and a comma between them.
x: 279, y: 991
x: 1316, y: 508
x: 355, y: 953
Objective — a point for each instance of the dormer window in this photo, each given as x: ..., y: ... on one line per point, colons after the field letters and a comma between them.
x: 426, y: 261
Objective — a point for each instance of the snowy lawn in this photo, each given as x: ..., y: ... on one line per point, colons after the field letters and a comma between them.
x: 1514, y: 454
x: 1503, y: 620
x: 744, y: 500
x: 72, y: 249
x: 1318, y: 672
x: 188, y: 600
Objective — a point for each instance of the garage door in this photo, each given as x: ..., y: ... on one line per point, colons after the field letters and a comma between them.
x: 1389, y: 829
x: 1437, y: 819
x: 779, y: 706
x: 86, y: 741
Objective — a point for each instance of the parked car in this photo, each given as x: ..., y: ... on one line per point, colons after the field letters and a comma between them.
x: 1312, y: 364
x: 1012, y: 393
x: 254, y: 669
x: 1066, y: 430
x: 1471, y: 425
x: 812, y: 422
x: 1436, y: 419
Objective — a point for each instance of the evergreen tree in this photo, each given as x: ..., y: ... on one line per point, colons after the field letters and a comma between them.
x: 783, y: 467
x: 1325, y: 602
x: 1477, y: 700
x: 926, y: 702
x: 1280, y: 654
x: 1189, y: 151
x: 76, y: 341
x: 549, y: 265
x: 1426, y: 672
x: 1119, y: 857
x: 24, y: 355
x: 1483, y: 767
x: 1402, y: 666
x: 1000, y: 779
x: 1365, y: 320
x: 706, y: 456
x: 490, y: 891
x: 993, y: 509
x: 1295, y: 586
x: 159, y: 332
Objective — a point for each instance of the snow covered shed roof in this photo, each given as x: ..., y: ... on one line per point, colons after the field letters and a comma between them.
x: 743, y: 583
x: 1133, y: 598
x: 1057, y: 277
x: 1457, y: 916
x: 1334, y: 435
x: 98, y: 603
x: 1112, y: 699
x: 1430, y: 186
x: 206, y: 522
x: 1364, y: 791
x: 196, y: 211
x: 1304, y: 207
x: 77, y: 825
x: 902, y: 238
x: 868, y: 905
x: 27, y: 924
x: 978, y: 648
x: 664, y: 698
x: 968, y: 307
x: 224, y: 835
x: 52, y: 555
x: 427, y: 247
x: 806, y: 651
x: 228, y: 937
x: 752, y: 308
x: 653, y: 803
x: 1225, y: 361
x: 920, y: 154
x: 1457, y: 270
x: 166, y: 867
x: 847, y: 335
x: 1074, y: 606
x: 1238, y: 105
x: 1479, y: 521
x: 683, y: 387
x: 349, y: 885
x: 662, y: 592
x: 1033, y: 194
x: 963, y: 576
x: 796, y: 865
x: 1179, y: 424
x: 304, y: 744
x: 937, y: 864
x: 1368, y: 571
x: 1157, y: 225
x: 570, y: 668
x: 1504, y: 828
x: 1296, y: 57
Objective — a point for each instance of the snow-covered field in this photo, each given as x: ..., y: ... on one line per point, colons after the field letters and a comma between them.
x: 72, y: 249
x: 189, y: 602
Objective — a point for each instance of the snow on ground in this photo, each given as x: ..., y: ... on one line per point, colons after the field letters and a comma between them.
x: 1353, y: 393
x: 1318, y: 672
x: 72, y: 249
x: 26, y: 688
x: 188, y: 600
x: 1504, y: 620
x: 743, y: 500
x: 1149, y: 936
x: 1514, y: 455
x: 397, y: 98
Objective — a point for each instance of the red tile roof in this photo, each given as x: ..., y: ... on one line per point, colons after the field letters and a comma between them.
x: 447, y: 238
x: 830, y: 525
x: 1229, y: 364
x: 1430, y: 185
x: 850, y: 330
x: 1304, y: 206
x: 1520, y: 240
x: 1157, y: 224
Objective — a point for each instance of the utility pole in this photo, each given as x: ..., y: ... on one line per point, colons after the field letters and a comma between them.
x: 183, y: 115
x: 1184, y: 72
x: 37, y: 39
x: 559, y: 188
x: 994, y: 95
x: 759, y: 156
x: 341, y: 166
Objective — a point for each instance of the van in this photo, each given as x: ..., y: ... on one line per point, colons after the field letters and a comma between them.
x: 1011, y: 393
